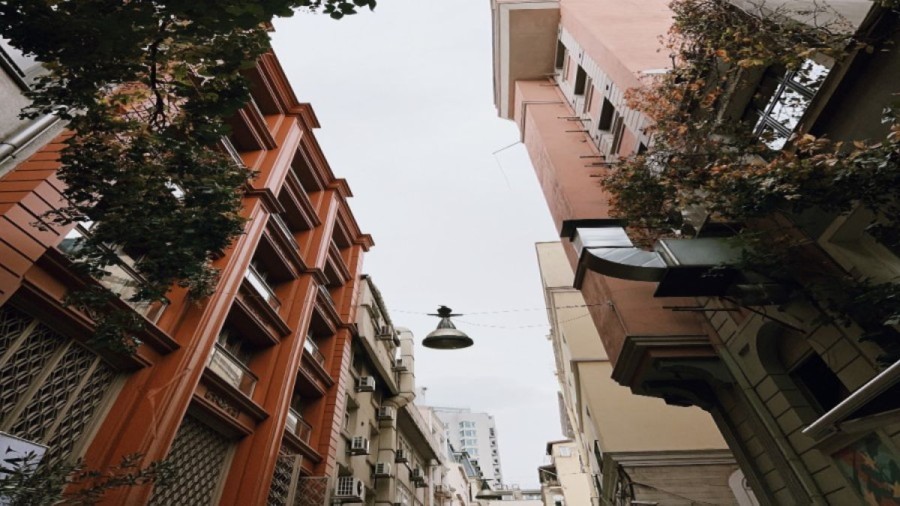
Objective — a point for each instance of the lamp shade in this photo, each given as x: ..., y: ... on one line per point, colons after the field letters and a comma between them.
x: 446, y: 336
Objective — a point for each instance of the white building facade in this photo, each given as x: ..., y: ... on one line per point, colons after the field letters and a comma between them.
x: 475, y: 434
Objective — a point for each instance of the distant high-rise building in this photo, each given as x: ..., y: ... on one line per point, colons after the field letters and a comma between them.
x: 475, y: 434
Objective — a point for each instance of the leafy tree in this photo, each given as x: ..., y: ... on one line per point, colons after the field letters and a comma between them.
x: 31, y: 484
x: 705, y: 157
x: 147, y: 87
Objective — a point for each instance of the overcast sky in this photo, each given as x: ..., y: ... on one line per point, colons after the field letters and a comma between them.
x: 404, y: 96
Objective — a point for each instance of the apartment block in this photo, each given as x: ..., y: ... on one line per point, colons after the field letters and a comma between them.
x: 628, y: 447
x: 476, y: 434
x: 799, y: 402
x: 232, y: 389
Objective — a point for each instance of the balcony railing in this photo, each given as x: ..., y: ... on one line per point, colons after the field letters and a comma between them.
x: 262, y: 287
x: 230, y: 369
x: 324, y: 291
x: 121, y: 279
x: 295, y: 179
x: 310, y: 346
x: 297, y: 426
x: 283, y: 226
x: 232, y: 151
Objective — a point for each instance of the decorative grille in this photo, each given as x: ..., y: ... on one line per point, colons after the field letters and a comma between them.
x: 279, y: 492
x: 311, y: 491
x: 198, y: 455
x: 21, y: 369
x: 12, y: 325
x: 80, y: 413
x: 50, y: 387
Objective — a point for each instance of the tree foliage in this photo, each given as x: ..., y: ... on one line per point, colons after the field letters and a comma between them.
x: 147, y: 88
x: 30, y: 483
x: 704, y: 156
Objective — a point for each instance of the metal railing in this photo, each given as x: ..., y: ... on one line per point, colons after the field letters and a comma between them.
x: 283, y: 226
x: 232, y: 151
x: 121, y: 279
x: 232, y: 370
x: 296, y: 425
x: 262, y: 287
x: 310, y: 346
x: 324, y: 290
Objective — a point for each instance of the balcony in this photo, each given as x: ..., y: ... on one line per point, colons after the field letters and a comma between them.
x: 310, y: 347
x: 335, y: 268
x: 232, y: 151
x: 284, y: 229
x: 323, y: 290
x: 230, y: 369
x: 295, y: 199
x: 258, y: 282
x: 250, y: 132
x: 121, y: 280
x: 296, y: 425
x: 281, y: 250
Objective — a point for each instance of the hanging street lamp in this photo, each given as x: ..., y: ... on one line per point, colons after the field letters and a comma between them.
x: 446, y: 336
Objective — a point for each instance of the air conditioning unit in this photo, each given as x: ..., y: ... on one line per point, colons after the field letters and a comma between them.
x: 359, y: 446
x: 400, y: 456
x: 385, y: 333
x: 350, y: 489
x: 417, y: 475
x: 385, y: 413
x: 400, y: 365
x: 382, y: 470
x: 365, y: 384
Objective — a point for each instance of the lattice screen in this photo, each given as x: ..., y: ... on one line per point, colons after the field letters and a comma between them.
x: 198, y: 455
x: 311, y: 491
x: 50, y: 387
x: 279, y: 491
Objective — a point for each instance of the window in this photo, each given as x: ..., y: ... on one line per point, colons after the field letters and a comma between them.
x: 467, y: 425
x: 819, y: 382
x: 781, y: 99
x: 580, y: 81
x: 560, y: 55
x: 606, y: 116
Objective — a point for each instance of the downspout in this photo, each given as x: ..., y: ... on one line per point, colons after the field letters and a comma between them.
x: 24, y: 135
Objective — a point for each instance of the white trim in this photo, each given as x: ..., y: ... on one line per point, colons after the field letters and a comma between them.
x: 502, y: 46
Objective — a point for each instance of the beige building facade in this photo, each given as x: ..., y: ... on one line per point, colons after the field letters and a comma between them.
x: 807, y: 409
x: 633, y: 448
x: 391, y: 451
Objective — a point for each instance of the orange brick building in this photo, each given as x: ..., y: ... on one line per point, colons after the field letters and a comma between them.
x: 226, y: 389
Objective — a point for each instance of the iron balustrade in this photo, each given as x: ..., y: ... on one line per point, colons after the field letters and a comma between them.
x: 231, y: 150
x: 324, y: 290
x: 121, y: 278
x: 258, y: 282
x: 310, y: 346
x: 296, y: 425
x: 283, y: 226
x: 232, y: 370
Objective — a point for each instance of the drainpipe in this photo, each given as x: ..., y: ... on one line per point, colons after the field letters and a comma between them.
x: 24, y: 135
